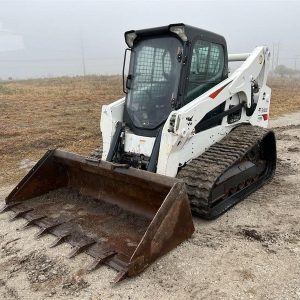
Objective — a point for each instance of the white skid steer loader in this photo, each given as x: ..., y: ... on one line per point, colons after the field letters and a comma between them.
x: 187, y: 137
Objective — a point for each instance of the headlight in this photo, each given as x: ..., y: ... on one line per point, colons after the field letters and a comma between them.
x: 130, y: 37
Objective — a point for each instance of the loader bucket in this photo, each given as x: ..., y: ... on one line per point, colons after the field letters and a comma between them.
x: 122, y: 217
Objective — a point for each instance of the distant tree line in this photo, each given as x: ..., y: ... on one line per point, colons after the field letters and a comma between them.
x: 283, y: 70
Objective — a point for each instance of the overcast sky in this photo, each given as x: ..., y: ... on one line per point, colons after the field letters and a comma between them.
x: 53, y: 31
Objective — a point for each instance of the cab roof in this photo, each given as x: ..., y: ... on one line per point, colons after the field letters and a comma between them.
x: 190, y: 32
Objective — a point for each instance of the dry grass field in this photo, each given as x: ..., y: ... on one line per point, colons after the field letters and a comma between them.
x: 285, y: 96
x: 50, y: 113
x: 64, y: 113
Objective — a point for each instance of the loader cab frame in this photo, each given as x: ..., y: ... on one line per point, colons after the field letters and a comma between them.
x: 169, y: 67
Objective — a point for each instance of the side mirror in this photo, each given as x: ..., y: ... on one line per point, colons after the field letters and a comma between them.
x: 126, y: 86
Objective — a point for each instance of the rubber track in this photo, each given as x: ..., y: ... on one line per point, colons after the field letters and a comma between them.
x: 201, y: 173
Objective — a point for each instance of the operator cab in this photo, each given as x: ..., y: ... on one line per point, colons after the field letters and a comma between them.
x: 169, y: 67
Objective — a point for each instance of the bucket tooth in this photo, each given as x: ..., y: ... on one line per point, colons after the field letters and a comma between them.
x: 80, y: 248
x: 32, y: 221
x: 7, y: 207
x: 46, y: 229
x: 60, y: 240
x: 20, y: 214
x: 101, y: 259
x: 121, y: 275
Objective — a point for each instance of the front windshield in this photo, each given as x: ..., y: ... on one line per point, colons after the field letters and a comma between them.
x: 155, y: 69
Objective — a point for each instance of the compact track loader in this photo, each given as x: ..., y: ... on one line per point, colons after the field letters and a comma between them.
x: 187, y: 137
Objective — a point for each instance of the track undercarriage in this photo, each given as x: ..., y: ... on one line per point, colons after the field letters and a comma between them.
x: 230, y: 170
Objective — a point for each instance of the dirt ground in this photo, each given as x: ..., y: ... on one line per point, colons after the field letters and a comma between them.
x: 251, y: 252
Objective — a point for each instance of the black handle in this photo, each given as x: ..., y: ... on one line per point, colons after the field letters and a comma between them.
x: 128, y: 82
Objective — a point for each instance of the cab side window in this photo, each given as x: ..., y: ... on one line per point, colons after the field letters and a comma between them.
x: 206, y: 69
